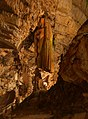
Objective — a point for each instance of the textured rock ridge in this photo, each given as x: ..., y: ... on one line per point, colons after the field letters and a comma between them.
x: 74, y: 65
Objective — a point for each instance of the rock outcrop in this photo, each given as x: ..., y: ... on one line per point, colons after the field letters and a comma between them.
x: 74, y: 65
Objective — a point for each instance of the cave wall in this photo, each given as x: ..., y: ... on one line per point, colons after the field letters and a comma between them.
x: 17, y: 20
x: 18, y: 17
x: 74, y: 65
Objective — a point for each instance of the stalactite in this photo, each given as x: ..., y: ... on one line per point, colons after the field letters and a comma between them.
x: 43, y: 40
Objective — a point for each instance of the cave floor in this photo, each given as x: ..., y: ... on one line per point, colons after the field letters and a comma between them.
x: 30, y: 109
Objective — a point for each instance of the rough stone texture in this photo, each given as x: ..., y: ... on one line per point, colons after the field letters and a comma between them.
x: 74, y: 65
x: 18, y: 18
x: 64, y: 100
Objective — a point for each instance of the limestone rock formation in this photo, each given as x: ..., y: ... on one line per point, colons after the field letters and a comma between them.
x: 74, y: 65
x: 18, y: 22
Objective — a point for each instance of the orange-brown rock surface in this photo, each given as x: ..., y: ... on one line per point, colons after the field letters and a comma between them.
x: 18, y: 22
x: 74, y: 65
